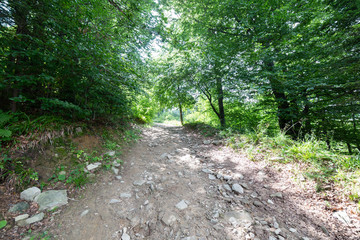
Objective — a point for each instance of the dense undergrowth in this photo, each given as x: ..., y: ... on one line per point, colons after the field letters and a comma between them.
x: 330, y: 169
x: 28, y: 141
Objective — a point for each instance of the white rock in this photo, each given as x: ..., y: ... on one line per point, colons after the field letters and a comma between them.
x: 84, y: 213
x: 110, y: 153
x: 277, y: 231
x: 21, y: 217
x: 269, y: 201
x: 30, y: 193
x: 238, y: 217
x: 181, y: 205
x: 293, y: 230
x: 119, y: 177
x: 205, y: 170
x: 168, y: 219
x: 116, y: 164
x: 93, y: 166
x: 114, y: 201
x: 115, y: 170
x: 125, y: 195
x: 237, y: 188
x: 227, y: 177
x: 125, y: 236
x: 33, y: 219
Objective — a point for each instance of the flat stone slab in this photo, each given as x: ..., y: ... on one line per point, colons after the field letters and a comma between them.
x: 33, y: 219
x: 93, y: 166
x: 21, y: 217
x: 114, y: 201
x: 169, y: 218
x: 30, y: 193
x: 50, y: 199
x: 238, y: 217
x: 125, y: 195
x: 181, y: 205
x: 19, y: 207
x: 139, y: 182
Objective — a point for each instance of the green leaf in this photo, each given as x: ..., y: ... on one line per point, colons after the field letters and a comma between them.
x: 3, y: 223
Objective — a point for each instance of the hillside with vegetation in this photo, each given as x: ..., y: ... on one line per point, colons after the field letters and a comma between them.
x: 277, y: 81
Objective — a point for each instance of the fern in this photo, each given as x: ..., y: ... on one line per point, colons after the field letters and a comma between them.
x: 4, y: 119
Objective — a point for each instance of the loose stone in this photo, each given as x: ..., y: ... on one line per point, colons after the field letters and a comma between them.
x: 237, y: 188
x: 212, y: 177
x: 139, y: 182
x: 125, y: 195
x: 181, y: 205
x: 21, y: 217
x: 278, y: 195
x: 19, y: 207
x: 30, y: 193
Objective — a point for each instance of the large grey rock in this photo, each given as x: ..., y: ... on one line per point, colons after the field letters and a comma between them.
x: 19, y: 207
x: 21, y: 217
x: 30, y: 193
x: 50, y: 199
x: 237, y: 188
x: 33, y: 219
x: 238, y: 217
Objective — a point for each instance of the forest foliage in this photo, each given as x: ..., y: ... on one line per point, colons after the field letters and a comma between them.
x: 290, y: 65
x: 253, y: 62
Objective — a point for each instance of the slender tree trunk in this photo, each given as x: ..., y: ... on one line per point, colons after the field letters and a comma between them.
x: 221, y: 102
x: 181, y: 114
x: 349, y: 148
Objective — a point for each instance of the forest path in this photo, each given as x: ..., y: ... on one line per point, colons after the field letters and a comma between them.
x: 175, y: 185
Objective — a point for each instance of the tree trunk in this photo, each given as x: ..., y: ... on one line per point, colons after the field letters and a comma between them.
x: 280, y: 98
x: 181, y: 114
x: 221, y: 102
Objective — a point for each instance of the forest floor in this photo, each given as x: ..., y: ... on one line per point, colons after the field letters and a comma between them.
x: 176, y: 185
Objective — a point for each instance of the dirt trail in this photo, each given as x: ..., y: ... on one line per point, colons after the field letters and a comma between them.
x: 176, y: 186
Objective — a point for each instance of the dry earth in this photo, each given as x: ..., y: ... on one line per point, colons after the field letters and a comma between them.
x: 175, y: 185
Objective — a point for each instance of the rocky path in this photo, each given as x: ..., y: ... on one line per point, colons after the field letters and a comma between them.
x: 175, y: 185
